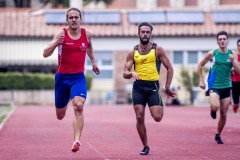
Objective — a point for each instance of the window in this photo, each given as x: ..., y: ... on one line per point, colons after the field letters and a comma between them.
x: 226, y: 16
x: 102, y: 17
x: 103, y: 74
x: 192, y: 57
x: 55, y: 17
x: 89, y: 17
x: 178, y: 57
x: 154, y: 17
x: 105, y: 64
x: 186, y: 58
x: 182, y: 16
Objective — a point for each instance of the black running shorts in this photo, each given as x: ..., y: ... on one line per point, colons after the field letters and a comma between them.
x: 146, y: 92
x: 235, y: 92
x: 223, y: 93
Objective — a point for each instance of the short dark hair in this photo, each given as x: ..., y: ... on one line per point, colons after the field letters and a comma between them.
x: 222, y: 33
x: 74, y: 9
x: 238, y: 41
x: 144, y: 24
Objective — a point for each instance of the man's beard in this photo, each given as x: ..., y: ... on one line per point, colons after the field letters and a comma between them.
x: 144, y: 42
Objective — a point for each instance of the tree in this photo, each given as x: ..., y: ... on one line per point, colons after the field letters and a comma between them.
x: 189, y: 80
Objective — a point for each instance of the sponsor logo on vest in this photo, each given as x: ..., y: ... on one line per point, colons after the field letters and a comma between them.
x: 69, y: 43
x: 83, y: 47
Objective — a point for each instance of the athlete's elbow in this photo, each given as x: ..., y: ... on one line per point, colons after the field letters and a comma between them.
x: 238, y: 71
x: 127, y: 76
x: 124, y: 76
x: 44, y: 55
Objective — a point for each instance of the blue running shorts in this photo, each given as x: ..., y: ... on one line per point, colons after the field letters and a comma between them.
x: 67, y: 86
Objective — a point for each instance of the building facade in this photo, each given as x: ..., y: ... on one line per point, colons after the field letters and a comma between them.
x: 185, y: 29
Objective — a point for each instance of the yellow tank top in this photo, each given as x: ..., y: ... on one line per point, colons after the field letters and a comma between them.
x: 147, y: 66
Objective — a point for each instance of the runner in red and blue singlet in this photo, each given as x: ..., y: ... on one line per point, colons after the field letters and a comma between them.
x: 73, y: 44
x: 236, y: 83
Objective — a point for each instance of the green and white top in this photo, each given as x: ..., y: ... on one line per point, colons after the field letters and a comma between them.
x: 220, y: 71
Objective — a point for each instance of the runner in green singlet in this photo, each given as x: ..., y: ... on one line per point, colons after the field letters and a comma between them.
x: 219, y: 80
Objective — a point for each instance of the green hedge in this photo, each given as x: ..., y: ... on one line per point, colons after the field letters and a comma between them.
x: 30, y: 81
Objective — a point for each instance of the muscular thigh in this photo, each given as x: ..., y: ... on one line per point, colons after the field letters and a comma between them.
x: 214, y: 98
x: 224, y: 105
x: 156, y: 110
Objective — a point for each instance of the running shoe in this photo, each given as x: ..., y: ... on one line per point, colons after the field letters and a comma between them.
x: 218, y: 139
x: 76, y: 146
x: 207, y: 92
x: 235, y: 110
x: 214, y: 114
x: 145, y: 151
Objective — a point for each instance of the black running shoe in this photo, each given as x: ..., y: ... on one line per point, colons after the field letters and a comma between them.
x: 145, y: 151
x: 218, y: 139
x: 207, y: 92
x: 213, y: 114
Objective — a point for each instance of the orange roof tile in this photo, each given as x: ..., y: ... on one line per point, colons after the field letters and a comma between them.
x: 21, y: 22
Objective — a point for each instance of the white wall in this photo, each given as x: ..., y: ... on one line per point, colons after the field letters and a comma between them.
x: 21, y: 51
x: 168, y: 43
x: 29, y: 50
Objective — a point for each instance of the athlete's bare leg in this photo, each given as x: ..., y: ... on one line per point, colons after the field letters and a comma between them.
x: 214, y: 101
x: 60, y: 112
x: 78, y: 120
x: 223, y: 114
x: 141, y: 128
x: 157, y: 112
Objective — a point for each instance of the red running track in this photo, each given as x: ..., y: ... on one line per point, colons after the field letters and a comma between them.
x: 185, y: 133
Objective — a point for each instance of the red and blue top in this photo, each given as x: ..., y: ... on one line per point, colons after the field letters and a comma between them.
x: 72, y: 54
x: 236, y: 77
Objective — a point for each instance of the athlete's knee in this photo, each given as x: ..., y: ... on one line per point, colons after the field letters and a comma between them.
x: 157, y: 118
x: 223, y: 116
x: 60, y: 116
x: 214, y: 107
x: 140, y: 118
x: 78, y: 106
x: 60, y: 112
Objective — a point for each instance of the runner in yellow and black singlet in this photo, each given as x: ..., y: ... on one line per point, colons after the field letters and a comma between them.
x: 146, y: 89
x: 146, y: 58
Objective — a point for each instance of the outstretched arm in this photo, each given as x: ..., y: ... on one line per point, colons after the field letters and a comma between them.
x: 91, y: 55
x: 200, y: 66
x: 165, y: 61
x: 58, y: 39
